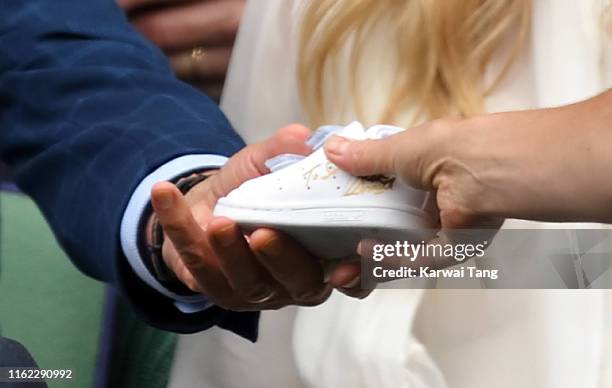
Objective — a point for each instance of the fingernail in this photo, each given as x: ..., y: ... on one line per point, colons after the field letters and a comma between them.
x: 226, y: 236
x: 164, y: 201
x: 272, y: 247
x: 365, y: 247
x: 352, y: 283
x: 337, y: 145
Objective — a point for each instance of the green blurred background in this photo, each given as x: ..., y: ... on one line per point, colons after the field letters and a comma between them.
x: 57, y: 313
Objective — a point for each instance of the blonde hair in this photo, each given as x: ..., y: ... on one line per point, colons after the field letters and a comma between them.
x: 441, y: 47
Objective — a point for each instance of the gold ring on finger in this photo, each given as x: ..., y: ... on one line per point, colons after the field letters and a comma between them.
x: 197, y: 52
x: 270, y: 295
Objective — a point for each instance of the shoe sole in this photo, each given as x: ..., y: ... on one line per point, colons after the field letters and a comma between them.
x: 333, y: 233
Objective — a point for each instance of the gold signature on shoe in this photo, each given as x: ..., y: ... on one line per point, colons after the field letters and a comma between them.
x: 375, y: 184
x: 328, y: 172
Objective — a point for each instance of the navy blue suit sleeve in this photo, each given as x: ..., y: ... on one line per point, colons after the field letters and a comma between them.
x: 87, y: 109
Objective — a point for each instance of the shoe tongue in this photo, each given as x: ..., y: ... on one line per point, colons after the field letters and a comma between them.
x: 320, y: 136
x: 352, y: 131
x: 281, y: 161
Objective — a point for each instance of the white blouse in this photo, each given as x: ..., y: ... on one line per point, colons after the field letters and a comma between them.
x: 417, y: 338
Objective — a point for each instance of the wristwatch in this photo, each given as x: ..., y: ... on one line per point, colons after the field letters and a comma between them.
x: 152, y: 239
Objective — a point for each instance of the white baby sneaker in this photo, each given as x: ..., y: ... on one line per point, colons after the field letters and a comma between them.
x: 328, y: 210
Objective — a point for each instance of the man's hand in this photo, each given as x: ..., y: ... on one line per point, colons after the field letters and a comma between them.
x: 198, y: 36
x: 266, y: 270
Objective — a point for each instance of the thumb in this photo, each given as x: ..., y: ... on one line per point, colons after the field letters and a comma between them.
x: 250, y: 161
x: 176, y: 218
x: 188, y: 239
x: 365, y: 157
x: 287, y: 140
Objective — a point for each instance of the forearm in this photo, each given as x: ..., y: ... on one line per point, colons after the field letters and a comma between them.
x: 89, y: 109
x: 549, y: 164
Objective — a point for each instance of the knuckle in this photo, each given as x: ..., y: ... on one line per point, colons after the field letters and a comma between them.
x: 277, y: 306
x: 449, y: 196
x: 285, y: 136
x: 152, y: 28
x: 438, y: 132
x: 295, y: 129
x: 124, y: 4
x: 251, y: 162
x: 233, y: 15
x: 395, y: 157
x: 445, y: 200
x: 190, y: 253
x: 454, y: 216
x: 228, y: 303
x: 362, y: 294
x: 356, y: 156
x: 313, y: 296
x: 181, y: 65
x: 313, y: 302
x: 297, y: 285
x: 440, y: 127
x: 170, y: 226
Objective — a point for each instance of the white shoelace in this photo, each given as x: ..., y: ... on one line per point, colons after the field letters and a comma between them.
x: 316, y: 141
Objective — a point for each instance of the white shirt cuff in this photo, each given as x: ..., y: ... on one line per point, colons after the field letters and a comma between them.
x: 133, y: 214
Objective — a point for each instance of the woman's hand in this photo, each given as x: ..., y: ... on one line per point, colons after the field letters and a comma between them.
x: 546, y: 165
x: 430, y: 157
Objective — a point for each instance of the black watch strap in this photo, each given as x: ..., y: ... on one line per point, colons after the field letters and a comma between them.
x: 155, y: 261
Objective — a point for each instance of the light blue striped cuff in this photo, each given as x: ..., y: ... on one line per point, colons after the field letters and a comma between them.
x: 133, y: 213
